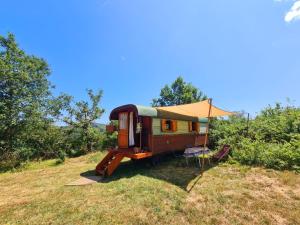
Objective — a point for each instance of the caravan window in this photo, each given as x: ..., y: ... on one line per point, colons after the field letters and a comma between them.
x: 123, y: 120
x: 168, y: 125
x: 193, y: 126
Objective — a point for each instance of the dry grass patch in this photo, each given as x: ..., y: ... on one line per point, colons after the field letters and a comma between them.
x: 170, y: 193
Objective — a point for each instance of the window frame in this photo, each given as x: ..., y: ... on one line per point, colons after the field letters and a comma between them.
x: 173, y: 125
x: 194, y: 127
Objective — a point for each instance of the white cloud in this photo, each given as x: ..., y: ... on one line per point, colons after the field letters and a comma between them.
x: 294, y: 13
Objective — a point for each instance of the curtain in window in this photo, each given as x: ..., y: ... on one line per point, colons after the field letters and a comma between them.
x: 131, y: 133
x: 123, y: 121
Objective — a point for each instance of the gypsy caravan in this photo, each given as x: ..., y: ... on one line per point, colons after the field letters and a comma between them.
x: 148, y: 131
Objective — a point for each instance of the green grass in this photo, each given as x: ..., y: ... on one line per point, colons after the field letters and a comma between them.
x: 138, y: 193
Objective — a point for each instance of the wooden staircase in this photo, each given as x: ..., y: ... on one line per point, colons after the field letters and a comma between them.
x: 109, y: 163
x: 113, y: 158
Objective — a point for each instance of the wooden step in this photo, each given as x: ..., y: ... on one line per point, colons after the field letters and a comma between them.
x: 114, y: 163
x: 109, y: 163
x: 114, y: 157
x: 103, y: 163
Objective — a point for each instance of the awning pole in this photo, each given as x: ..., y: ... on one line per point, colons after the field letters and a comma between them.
x: 206, y: 134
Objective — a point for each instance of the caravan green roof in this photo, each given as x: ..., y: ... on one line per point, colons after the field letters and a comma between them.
x: 153, y: 112
x: 146, y: 111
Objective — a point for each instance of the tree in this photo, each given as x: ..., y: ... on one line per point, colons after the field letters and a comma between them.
x: 178, y: 93
x: 82, y: 116
x: 27, y: 107
x: 24, y: 93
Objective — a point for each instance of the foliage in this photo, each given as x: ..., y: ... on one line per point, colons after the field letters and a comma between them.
x: 110, y: 140
x: 178, y: 93
x: 27, y: 107
x: 29, y: 112
x: 81, y: 117
x: 272, y: 138
x: 277, y: 156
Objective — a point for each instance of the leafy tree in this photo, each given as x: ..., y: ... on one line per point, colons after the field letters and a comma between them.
x: 178, y: 93
x: 24, y: 94
x: 28, y: 111
x: 81, y: 117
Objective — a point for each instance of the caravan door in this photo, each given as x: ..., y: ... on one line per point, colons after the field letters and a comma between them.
x: 123, y: 130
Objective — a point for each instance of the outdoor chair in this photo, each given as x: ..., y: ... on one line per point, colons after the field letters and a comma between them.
x: 222, y: 153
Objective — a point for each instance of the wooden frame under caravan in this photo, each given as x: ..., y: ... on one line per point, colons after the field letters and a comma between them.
x: 147, y: 131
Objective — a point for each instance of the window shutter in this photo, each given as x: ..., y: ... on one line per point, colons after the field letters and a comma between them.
x: 190, y: 126
x: 174, y: 125
x: 197, y: 127
x: 163, y: 125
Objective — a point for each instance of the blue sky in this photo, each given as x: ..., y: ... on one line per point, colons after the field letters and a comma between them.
x: 243, y: 54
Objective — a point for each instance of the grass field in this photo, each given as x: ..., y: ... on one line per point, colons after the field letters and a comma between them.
x: 170, y: 193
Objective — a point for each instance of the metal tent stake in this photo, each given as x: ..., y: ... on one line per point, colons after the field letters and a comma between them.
x: 206, y: 135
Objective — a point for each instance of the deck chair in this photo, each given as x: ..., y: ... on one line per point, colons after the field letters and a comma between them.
x: 221, y: 154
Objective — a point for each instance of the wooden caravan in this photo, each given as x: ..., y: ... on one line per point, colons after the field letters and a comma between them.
x: 147, y: 131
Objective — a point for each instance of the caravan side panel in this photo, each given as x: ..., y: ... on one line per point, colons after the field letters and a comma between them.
x: 163, y: 142
x: 182, y: 127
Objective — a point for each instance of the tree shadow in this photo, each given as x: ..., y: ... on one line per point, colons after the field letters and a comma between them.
x: 171, y: 169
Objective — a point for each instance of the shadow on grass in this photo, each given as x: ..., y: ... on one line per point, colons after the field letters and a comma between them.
x: 171, y: 169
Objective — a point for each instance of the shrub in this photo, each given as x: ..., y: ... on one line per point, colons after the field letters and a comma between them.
x: 110, y: 140
x: 8, y: 161
x: 271, y: 140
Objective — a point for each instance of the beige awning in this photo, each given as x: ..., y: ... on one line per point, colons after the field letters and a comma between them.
x: 198, y: 109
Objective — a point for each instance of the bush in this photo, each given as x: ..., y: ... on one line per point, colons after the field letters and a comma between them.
x: 110, y: 140
x: 276, y: 156
x: 271, y: 140
x: 8, y: 161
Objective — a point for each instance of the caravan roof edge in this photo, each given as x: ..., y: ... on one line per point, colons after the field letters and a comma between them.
x: 138, y: 109
x: 152, y: 112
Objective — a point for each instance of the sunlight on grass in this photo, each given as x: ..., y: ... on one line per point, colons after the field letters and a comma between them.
x: 170, y: 193
x: 41, y: 164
